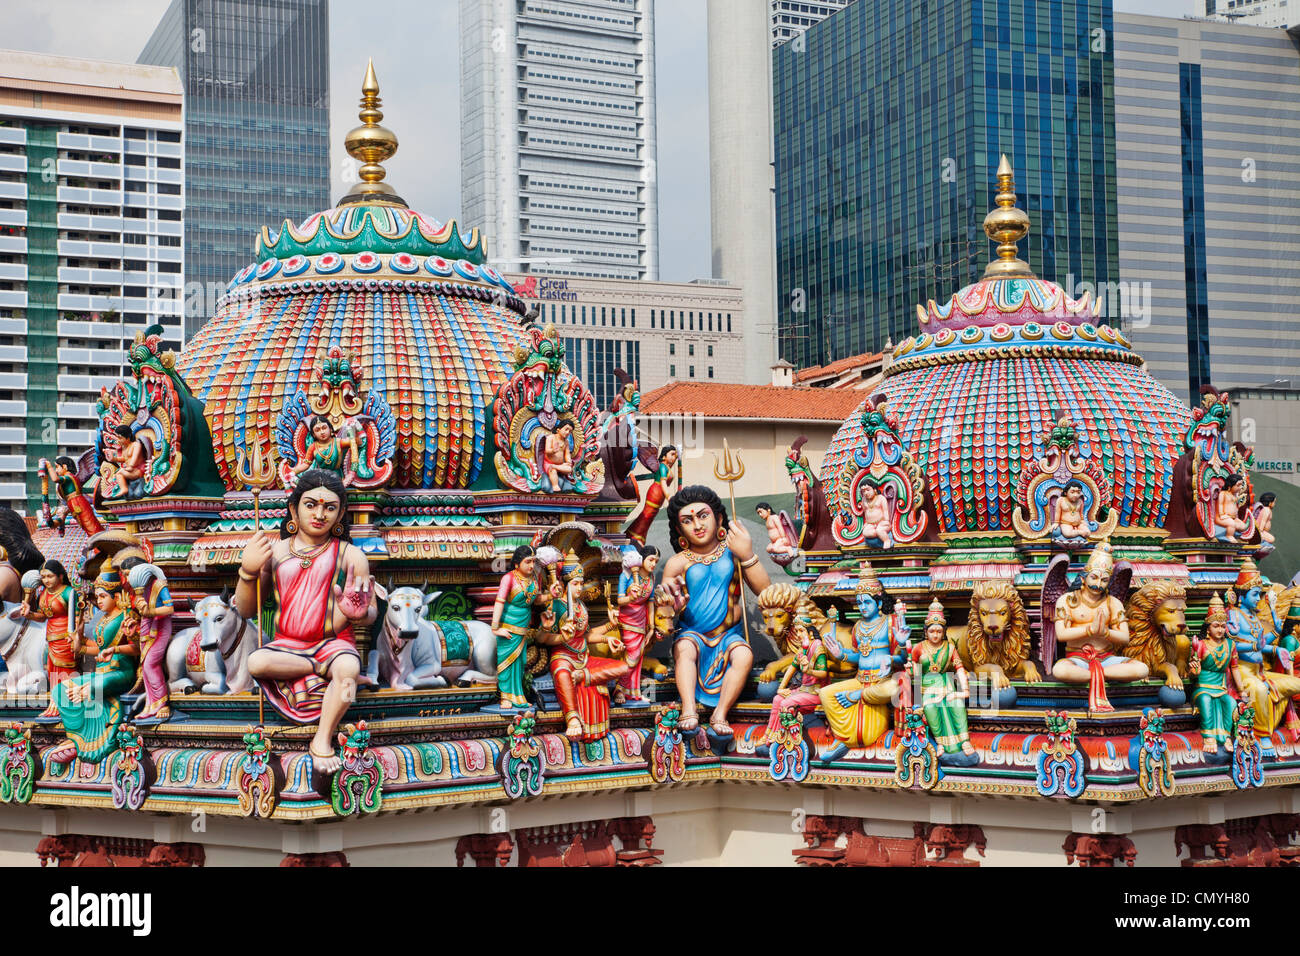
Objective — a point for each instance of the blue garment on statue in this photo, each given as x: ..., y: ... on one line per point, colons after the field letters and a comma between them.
x: 703, y: 623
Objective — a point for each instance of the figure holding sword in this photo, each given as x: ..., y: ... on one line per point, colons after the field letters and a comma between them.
x: 704, y: 582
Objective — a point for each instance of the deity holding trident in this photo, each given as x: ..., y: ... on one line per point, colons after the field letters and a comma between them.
x: 704, y: 583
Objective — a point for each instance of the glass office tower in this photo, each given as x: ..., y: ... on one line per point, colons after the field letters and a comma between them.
x: 889, y: 124
x: 256, y: 77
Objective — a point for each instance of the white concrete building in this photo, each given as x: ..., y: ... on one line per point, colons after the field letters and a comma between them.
x: 91, y: 244
x: 558, y: 134
x: 657, y: 332
x: 1256, y: 13
x: 792, y: 17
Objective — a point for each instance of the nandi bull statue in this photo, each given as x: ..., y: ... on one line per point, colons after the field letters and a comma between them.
x: 414, y: 653
x: 212, y: 658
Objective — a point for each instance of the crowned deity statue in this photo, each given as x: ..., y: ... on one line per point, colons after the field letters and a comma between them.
x: 1090, y: 622
x: 90, y: 705
x: 660, y: 486
x: 704, y: 583
x: 322, y: 586
x: 806, y: 675
x: 152, y: 601
x: 1265, y: 672
x: 935, y: 668
x: 857, y: 709
x: 636, y: 586
x: 62, y: 474
x: 512, y: 622
x: 48, y: 595
x: 579, y: 675
x: 1214, y: 660
x: 327, y: 448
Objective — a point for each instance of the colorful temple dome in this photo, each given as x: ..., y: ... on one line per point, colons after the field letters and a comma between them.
x: 976, y: 393
x: 409, y: 300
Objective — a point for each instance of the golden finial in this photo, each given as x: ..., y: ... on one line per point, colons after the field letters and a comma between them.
x: 1006, y: 225
x: 371, y: 144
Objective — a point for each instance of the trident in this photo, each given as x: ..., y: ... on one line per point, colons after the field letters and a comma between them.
x: 731, y: 469
x: 257, y: 474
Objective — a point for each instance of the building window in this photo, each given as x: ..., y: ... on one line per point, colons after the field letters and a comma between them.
x: 672, y: 348
x: 692, y: 375
x: 652, y: 318
x: 672, y: 371
x: 634, y: 318
x: 728, y: 321
x: 710, y: 371
x: 691, y: 350
x: 710, y: 351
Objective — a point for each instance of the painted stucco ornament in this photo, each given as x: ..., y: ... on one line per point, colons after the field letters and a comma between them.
x: 1063, y: 494
x: 338, y: 426
x: 879, y: 504
x: 547, y: 423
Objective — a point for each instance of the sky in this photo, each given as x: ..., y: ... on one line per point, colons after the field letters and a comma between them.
x: 415, y: 44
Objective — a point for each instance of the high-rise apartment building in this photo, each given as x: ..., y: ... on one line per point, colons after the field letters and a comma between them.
x: 558, y: 134
x: 91, y: 244
x: 256, y: 77
x: 889, y: 123
x: 1207, y: 131
x: 792, y: 17
x: 1255, y: 13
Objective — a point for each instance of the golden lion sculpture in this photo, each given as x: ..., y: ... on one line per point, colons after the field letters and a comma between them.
x: 1157, y: 627
x: 995, y: 640
x: 780, y: 604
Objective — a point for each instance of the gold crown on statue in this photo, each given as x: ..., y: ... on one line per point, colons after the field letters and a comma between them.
x: 935, y: 614
x: 1101, y: 559
x: 1217, y: 612
x: 868, y: 583
x: 572, y: 566
x: 1249, y: 576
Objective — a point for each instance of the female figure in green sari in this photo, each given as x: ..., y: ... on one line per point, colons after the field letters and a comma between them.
x: 935, y: 666
x: 512, y: 620
x: 1213, y: 659
x: 90, y: 706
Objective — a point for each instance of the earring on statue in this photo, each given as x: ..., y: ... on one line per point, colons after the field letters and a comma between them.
x: 337, y: 530
x: 681, y: 543
x: 291, y: 526
x: 722, y: 534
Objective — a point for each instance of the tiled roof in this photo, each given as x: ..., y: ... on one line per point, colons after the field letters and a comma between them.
x: 838, y: 367
x: 762, y: 402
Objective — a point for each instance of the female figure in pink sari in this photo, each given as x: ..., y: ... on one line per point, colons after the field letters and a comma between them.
x: 636, y: 587
x: 322, y: 586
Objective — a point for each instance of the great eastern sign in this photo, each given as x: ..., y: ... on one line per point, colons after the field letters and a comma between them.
x: 535, y: 287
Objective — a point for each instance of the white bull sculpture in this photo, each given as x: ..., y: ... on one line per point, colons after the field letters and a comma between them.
x: 412, y: 653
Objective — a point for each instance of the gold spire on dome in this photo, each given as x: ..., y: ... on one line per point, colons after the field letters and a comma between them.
x: 1006, y: 225
x: 371, y: 144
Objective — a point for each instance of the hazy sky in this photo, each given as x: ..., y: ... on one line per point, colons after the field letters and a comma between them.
x: 415, y: 47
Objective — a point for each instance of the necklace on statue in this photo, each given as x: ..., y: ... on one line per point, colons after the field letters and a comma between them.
x: 707, y: 558
x: 305, y: 558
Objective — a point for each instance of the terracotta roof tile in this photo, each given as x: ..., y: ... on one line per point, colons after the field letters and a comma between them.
x: 765, y: 402
x: 837, y: 367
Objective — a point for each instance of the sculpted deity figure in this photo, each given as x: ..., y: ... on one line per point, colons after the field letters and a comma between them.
x: 936, y: 669
x: 877, y: 515
x: 1214, y: 659
x: 50, y: 597
x: 557, y: 454
x: 808, y: 672
x: 655, y: 495
x: 322, y: 586
x: 778, y: 540
x: 152, y: 601
x: 90, y: 705
x: 857, y: 709
x: 573, y: 667
x: 1069, y: 523
x: 62, y: 474
x: 1227, y: 507
x: 636, y: 586
x: 1263, y: 510
x: 1091, y: 623
x: 326, y: 448
x: 131, y: 459
x: 1265, y: 671
x: 704, y: 583
x: 512, y: 622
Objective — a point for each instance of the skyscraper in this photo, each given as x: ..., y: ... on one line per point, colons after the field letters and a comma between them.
x: 889, y: 124
x: 792, y: 17
x: 256, y: 77
x: 1206, y: 134
x: 1256, y: 13
x: 91, y: 200
x: 558, y: 134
